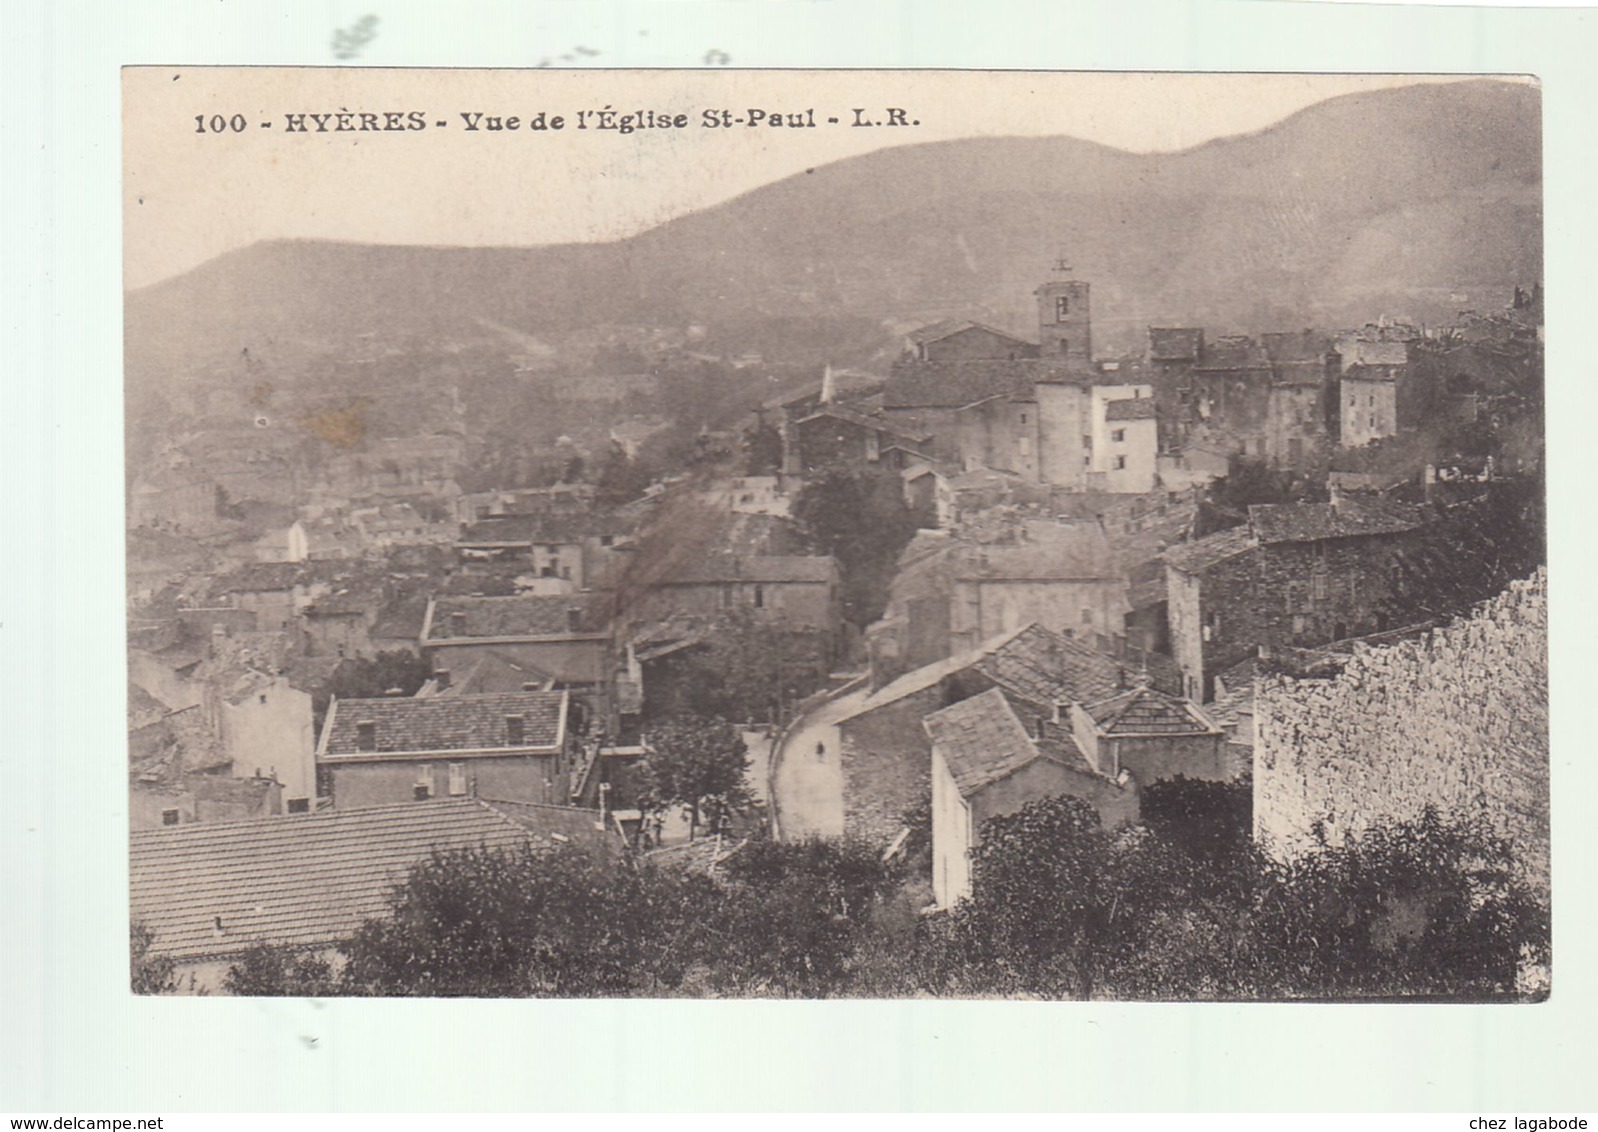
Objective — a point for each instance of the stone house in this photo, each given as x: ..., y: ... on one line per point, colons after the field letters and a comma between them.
x: 566, y: 637
x: 986, y: 764
x: 1153, y: 736
x: 801, y: 591
x: 517, y: 746
x: 1296, y: 574
x: 884, y: 750
x: 960, y: 340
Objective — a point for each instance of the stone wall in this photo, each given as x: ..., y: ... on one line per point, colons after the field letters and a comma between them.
x: 1458, y: 718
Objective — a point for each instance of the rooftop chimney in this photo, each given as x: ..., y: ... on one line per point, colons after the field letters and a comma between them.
x: 366, y: 736
x: 441, y: 678
x: 829, y: 386
x: 515, y: 731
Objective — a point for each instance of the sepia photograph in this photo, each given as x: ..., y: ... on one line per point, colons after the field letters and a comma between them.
x: 851, y: 534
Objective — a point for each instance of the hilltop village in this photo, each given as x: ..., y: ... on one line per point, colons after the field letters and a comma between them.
x: 1279, y: 591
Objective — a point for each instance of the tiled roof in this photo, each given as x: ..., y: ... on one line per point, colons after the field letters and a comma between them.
x: 293, y: 881
x: 981, y: 740
x: 1211, y: 550
x: 1144, y: 711
x: 1297, y: 346
x: 943, y: 328
x: 863, y: 419
x: 1174, y: 343
x: 494, y: 672
x: 927, y: 675
x: 755, y: 568
x: 1046, y: 668
x: 1050, y: 551
x: 261, y: 577
x: 443, y: 724
x: 554, y: 530
x: 1360, y: 371
x: 1130, y: 409
x: 1357, y: 351
x: 1347, y: 518
x: 953, y: 385
x: 401, y: 618
x: 522, y: 615
x: 1231, y: 353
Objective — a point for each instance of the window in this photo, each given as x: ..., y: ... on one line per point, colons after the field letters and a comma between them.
x: 566, y: 572
x: 1062, y: 309
x: 1300, y: 623
x: 1087, y: 440
x: 1120, y: 463
x: 1371, y: 401
x: 1023, y: 418
x: 1321, y: 587
x: 760, y: 596
x: 1025, y: 445
x: 1087, y: 615
x: 423, y: 790
x: 299, y: 805
x: 263, y: 697
x: 1065, y: 347
x: 457, y: 779
x: 1373, y: 420
x: 606, y: 540
x: 169, y: 817
x: 1118, y: 435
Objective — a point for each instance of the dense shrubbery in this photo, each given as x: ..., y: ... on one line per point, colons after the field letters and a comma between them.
x: 1061, y: 909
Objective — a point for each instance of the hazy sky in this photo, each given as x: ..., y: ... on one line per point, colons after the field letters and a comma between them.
x: 191, y: 194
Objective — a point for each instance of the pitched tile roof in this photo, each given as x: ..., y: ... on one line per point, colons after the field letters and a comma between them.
x: 953, y: 385
x: 1233, y: 352
x: 1347, y: 518
x: 261, y: 577
x: 494, y: 672
x: 1130, y: 409
x: 863, y: 419
x: 443, y: 724
x: 300, y: 881
x: 1144, y: 711
x: 755, y: 568
x: 981, y: 740
x: 1211, y: 550
x: 943, y: 328
x: 1045, y: 668
x: 1175, y: 343
x: 521, y: 615
x: 551, y: 529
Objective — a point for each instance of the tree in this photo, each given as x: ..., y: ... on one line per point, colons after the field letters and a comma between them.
x: 762, y: 451
x: 521, y: 922
x: 150, y: 974
x: 1433, y: 906
x: 748, y: 668
x: 273, y: 972
x: 700, y: 764
x: 864, y: 522
x: 621, y: 479
x: 1210, y: 821
x: 367, y: 677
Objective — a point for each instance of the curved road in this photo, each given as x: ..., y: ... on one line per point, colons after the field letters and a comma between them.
x: 807, y: 773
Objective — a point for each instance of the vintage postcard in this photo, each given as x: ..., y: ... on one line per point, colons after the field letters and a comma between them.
x: 836, y: 534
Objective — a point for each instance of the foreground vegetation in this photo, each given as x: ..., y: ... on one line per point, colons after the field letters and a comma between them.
x: 1181, y: 908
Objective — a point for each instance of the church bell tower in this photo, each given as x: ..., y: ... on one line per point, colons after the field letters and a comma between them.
x: 1065, y: 318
